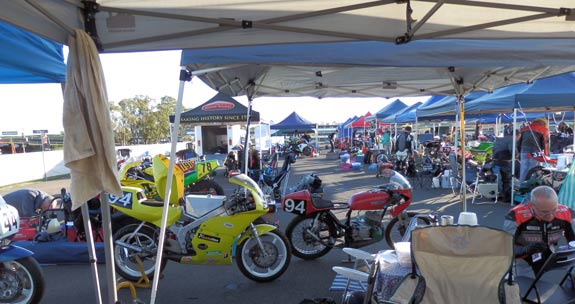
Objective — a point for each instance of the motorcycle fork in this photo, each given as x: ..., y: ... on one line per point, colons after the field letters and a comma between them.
x: 258, y: 240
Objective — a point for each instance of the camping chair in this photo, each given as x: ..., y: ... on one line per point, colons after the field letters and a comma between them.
x: 457, y: 180
x: 459, y: 264
x: 540, y: 290
x: 355, y: 278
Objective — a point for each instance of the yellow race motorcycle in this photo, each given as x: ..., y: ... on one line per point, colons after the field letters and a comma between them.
x: 201, y: 229
x: 197, y: 176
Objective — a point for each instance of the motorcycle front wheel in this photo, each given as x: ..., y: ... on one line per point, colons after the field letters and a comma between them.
x: 266, y: 265
x: 309, y: 238
x: 127, y: 258
x: 21, y: 281
x: 396, y: 229
x: 206, y: 186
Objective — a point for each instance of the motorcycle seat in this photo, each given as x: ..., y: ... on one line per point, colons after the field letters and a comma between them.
x: 321, y: 203
x: 153, y: 203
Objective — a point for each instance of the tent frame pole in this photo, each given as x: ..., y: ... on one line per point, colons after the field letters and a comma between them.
x: 185, y: 75
x: 513, y: 155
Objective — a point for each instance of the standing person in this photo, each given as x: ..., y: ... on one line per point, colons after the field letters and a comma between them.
x: 539, y: 225
x: 28, y: 202
x: 502, y: 156
x: 386, y: 141
x: 533, y: 140
x: 331, y: 138
x: 404, y: 141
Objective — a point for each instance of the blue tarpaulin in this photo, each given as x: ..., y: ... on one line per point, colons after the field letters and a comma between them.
x: 28, y: 58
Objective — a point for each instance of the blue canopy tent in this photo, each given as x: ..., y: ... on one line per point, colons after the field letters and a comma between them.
x: 392, y: 118
x: 17, y: 49
x: 542, y: 95
x: 345, y: 131
x: 294, y: 122
x: 396, y: 106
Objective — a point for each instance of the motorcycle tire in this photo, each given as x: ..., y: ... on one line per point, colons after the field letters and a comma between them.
x: 395, y: 229
x: 306, y: 151
x: 127, y: 259
x: 206, y: 186
x: 305, y: 246
x: 264, y: 267
x: 23, y: 281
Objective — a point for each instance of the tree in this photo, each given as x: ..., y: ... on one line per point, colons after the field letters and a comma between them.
x: 142, y: 120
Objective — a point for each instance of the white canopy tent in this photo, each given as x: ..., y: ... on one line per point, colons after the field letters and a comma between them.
x: 123, y: 26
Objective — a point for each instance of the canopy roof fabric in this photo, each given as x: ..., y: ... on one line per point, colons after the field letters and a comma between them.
x: 28, y: 58
x: 220, y: 108
x: 393, y: 118
x: 445, y: 106
x: 548, y: 94
x: 294, y: 122
x: 175, y: 24
x: 379, y: 69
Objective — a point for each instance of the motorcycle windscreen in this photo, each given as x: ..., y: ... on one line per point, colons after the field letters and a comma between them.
x: 160, y: 165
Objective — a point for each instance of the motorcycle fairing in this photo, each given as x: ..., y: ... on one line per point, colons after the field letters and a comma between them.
x: 214, y: 241
x: 133, y: 204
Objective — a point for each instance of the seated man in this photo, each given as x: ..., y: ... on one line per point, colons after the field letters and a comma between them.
x: 28, y: 202
x: 539, y: 225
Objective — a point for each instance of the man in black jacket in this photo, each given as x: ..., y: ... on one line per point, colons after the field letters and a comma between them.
x: 502, y: 155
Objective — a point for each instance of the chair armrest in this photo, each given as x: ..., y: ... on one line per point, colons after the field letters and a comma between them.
x: 351, y: 274
x: 359, y: 254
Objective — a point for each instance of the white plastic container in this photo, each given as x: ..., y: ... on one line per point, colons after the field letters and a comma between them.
x: 199, y: 205
x: 403, y: 251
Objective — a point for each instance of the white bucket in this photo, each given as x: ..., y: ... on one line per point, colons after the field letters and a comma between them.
x: 467, y: 218
x: 436, y: 182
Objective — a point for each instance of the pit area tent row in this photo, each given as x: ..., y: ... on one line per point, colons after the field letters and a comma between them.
x: 122, y: 26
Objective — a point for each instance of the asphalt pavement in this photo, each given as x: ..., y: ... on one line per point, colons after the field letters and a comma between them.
x: 225, y: 284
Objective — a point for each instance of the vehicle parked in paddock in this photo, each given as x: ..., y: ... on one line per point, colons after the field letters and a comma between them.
x: 201, y: 229
x: 21, y: 278
x: 316, y: 229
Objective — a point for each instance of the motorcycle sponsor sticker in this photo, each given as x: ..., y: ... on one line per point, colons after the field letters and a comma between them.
x: 209, y: 238
x: 228, y: 225
x: 214, y: 252
x: 187, y: 165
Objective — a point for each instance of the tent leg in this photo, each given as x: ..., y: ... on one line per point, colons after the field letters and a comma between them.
x: 110, y: 269
x: 513, y: 156
x: 92, y: 251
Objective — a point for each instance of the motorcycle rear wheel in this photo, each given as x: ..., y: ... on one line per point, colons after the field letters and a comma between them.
x: 206, y: 186
x: 306, y: 246
x: 264, y: 268
x: 126, y: 259
x: 22, y: 281
x: 395, y: 229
